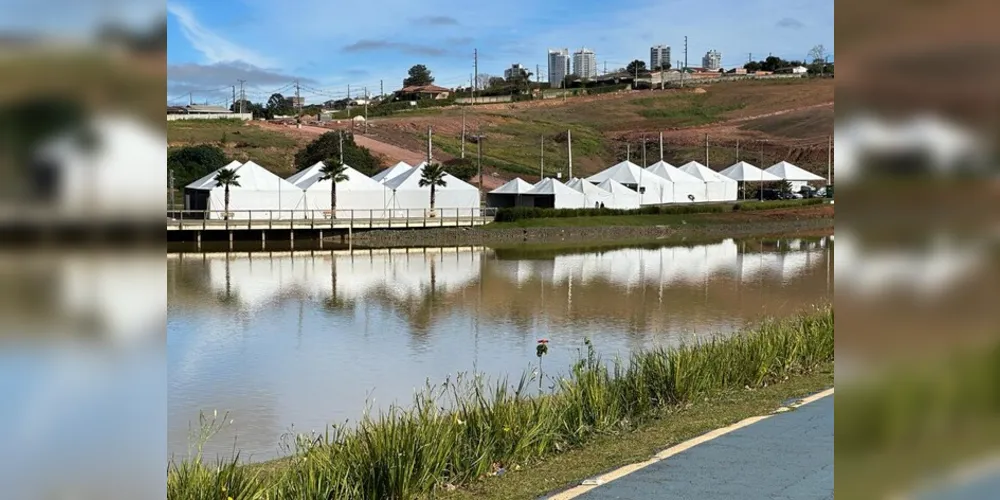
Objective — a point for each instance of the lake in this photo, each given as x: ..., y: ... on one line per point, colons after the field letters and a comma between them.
x: 291, y: 341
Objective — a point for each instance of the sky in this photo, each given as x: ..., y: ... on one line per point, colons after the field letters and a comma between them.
x: 328, y: 46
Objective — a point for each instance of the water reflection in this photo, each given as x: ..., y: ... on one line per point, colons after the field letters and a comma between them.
x: 307, y: 337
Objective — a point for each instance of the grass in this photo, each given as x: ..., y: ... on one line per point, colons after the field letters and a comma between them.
x: 667, y: 215
x: 687, y: 111
x: 240, y: 140
x: 497, y: 426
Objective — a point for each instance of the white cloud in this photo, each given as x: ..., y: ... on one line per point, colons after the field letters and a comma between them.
x: 212, y: 46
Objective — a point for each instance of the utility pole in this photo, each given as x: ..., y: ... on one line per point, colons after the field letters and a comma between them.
x: 243, y: 96
x: 761, y: 185
x: 644, y: 164
x: 829, y: 160
x: 569, y: 151
x: 366, y: 110
x: 738, y: 151
x: 541, y: 158
x: 349, y: 101
x: 234, y: 97
x: 706, y: 150
x: 685, y: 51
x: 170, y: 180
x: 463, y: 132
x: 475, y: 76
x: 298, y: 101
x: 429, y: 157
x: 628, y: 152
x: 341, y: 134
x: 381, y: 89
x: 661, y: 146
x: 190, y: 99
x: 479, y: 161
x: 605, y: 67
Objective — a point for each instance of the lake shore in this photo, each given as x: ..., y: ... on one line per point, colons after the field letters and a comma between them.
x: 815, y: 219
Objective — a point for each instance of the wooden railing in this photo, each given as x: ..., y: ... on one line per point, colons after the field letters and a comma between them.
x: 324, y: 219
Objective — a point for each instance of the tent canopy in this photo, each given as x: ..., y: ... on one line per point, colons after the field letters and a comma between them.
x: 411, y: 180
x: 745, y: 172
x: 790, y: 172
x: 251, y: 176
x: 391, y: 172
x: 625, y: 172
x: 260, y: 190
x: 704, y: 173
x: 208, y: 182
x: 514, y: 186
x: 593, y: 195
x: 672, y: 173
x: 622, y: 197
x: 562, y: 195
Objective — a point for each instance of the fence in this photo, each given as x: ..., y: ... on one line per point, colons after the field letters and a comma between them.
x: 219, y: 116
x: 323, y: 219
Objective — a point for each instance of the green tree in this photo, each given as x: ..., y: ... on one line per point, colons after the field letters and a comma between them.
x: 433, y: 176
x: 462, y: 168
x: 634, y: 66
x: 227, y: 177
x: 278, y: 104
x: 190, y: 163
x: 496, y: 82
x: 418, y: 75
x: 333, y: 171
x: 328, y: 146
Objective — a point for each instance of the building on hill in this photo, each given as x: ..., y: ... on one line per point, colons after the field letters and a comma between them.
x: 585, y: 63
x: 417, y: 92
x: 659, y: 55
x: 558, y: 66
x: 712, y: 60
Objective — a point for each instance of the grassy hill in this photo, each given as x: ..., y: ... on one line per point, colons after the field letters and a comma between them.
x: 240, y: 140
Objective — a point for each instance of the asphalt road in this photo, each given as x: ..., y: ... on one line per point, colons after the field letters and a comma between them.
x: 787, y: 456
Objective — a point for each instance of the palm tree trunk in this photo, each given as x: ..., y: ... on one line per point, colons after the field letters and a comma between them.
x: 226, y: 215
x: 333, y: 200
x: 432, y: 197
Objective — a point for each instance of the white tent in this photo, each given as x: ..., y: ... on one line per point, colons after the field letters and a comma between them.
x: 653, y: 189
x: 550, y: 193
x: 621, y: 196
x: 796, y: 176
x: 510, y: 194
x: 358, y: 197
x: 684, y: 186
x: 391, y: 172
x: 745, y: 172
x: 717, y: 187
x: 409, y: 199
x: 593, y: 196
x: 260, y: 195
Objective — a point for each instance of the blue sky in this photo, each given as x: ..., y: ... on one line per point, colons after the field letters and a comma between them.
x: 330, y: 45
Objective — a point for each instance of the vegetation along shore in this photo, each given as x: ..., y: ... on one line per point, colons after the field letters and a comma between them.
x: 501, y: 439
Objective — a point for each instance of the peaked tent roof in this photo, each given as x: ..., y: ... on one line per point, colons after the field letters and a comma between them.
x: 391, y: 172
x: 304, y: 174
x: 356, y: 181
x: 549, y: 186
x: 514, y: 186
x: 790, y: 172
x: 208, y: 182
x: 702, y: 172
x: 625, y: 172
x: 743, y: 171
x: 586, y: 187
x: 616, y: 188
x: 671, y: 173
x: 411, y: 180
x: 250, y: 176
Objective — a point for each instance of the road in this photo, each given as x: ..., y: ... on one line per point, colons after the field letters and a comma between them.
x: 787, y: 456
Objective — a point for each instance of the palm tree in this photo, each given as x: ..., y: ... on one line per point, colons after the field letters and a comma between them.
x: 227, y: 177
x: 334, y: 172
x: 433, y: 176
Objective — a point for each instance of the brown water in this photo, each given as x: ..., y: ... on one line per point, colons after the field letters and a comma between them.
x: 294, y: 341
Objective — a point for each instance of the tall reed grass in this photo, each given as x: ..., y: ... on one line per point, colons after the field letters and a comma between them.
x: 470, y: 427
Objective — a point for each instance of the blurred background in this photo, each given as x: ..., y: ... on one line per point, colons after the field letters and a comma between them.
x: 918, y: 272
x: 82, y: 272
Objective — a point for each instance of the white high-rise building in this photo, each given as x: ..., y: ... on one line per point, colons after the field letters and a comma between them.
x: 659, y: 55
x: 514, y: 70
x: 712, y: 60
x: 558, y: 66
x: 585, y: 63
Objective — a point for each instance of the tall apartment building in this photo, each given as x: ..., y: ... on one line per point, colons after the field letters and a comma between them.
x: 659, y: 55
x: 712, y: 60
x: 585, y: 63
x: 558, y: 66
x: 514, y: 70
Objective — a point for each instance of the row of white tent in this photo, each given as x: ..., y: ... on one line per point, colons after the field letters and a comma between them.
x: 626, y: 185
x: 392, y: 193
